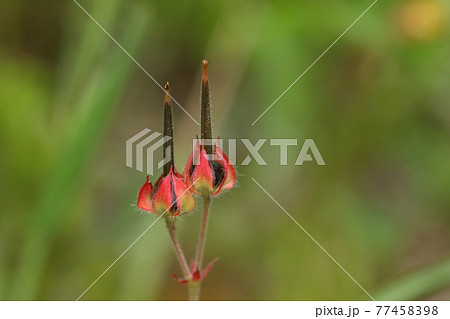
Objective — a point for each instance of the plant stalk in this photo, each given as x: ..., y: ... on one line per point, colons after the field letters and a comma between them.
x: 194, y: 290
x: 178, y: 251
x: 203, y: 228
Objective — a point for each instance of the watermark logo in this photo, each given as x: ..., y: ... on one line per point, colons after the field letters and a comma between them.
x: 253, y: 150
x: 142, y: 147
x: 149, y: 148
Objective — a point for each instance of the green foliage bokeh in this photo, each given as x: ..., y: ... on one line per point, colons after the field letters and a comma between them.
x: 376, y: 105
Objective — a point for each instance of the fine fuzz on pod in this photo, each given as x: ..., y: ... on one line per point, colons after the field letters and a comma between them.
x: 208, y: 164
x: 171, y: 192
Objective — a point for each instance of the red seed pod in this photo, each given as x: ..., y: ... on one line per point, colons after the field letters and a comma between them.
x: 212, y: 173
x: 170, y: 195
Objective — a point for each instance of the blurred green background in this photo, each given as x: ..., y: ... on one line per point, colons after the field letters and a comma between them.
x: 376, y: 105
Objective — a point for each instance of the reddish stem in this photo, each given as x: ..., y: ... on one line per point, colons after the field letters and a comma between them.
x: 202, y: 236
x: 178, y: 251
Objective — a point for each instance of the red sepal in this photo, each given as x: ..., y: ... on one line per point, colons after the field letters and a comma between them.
x: 145, y: 196
x: 196, y: 274
x: 210, y: 175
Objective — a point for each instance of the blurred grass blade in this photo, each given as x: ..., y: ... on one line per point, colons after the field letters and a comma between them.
x: 97, y: 106
x: 80, y: 57
x: 419, y: 284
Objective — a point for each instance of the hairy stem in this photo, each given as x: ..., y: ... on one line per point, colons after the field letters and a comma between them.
x: 202, y: 236
x: 178, y: 251
x: 194, y: 290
